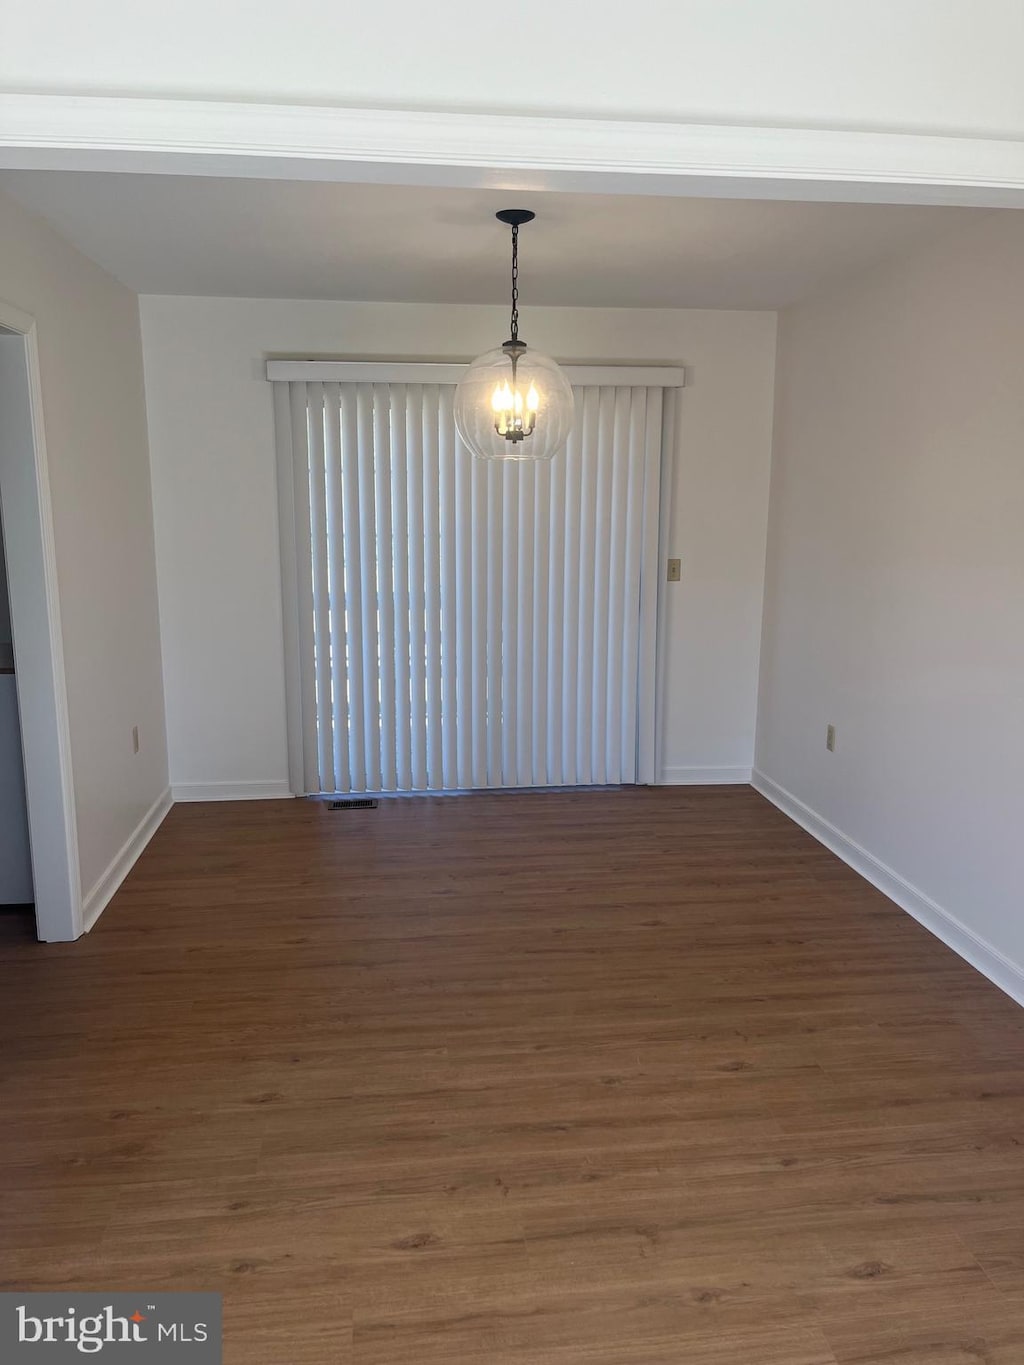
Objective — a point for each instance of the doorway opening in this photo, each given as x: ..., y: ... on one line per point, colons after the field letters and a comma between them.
x: 44, y: 856
x: 16, y: 894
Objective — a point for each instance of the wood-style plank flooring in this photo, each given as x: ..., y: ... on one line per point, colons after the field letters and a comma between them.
x: 639, y: 1077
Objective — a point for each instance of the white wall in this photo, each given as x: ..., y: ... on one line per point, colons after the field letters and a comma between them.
x: 895, y: 591
x: 212, y: 443
x: 95, y: 429
x: 918, y: 65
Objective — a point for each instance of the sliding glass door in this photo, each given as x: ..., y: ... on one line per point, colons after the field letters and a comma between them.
x: 463, y: 624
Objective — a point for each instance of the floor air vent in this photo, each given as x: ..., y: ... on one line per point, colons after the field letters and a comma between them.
x: 355, y: 804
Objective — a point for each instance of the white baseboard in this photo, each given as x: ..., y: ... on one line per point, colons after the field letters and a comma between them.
x: 124, y: 860
x: 981, y: 954
x: 231, y: 791
x: 690, y: 775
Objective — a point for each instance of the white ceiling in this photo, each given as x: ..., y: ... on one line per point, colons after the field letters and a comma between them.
x: 913, y: 66
x: 300, y: 239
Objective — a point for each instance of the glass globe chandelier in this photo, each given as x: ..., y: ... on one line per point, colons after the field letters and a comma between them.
x: 513, y: 403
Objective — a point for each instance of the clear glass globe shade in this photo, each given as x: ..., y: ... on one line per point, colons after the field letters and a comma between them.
x: 486, y: 399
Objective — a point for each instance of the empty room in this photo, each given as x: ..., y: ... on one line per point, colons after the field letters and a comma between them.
x: 512, y: 685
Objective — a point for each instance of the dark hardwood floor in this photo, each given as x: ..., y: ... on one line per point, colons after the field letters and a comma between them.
x: 639, y: 1077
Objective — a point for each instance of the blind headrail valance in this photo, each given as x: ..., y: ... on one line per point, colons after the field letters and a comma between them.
x: 425, y: 372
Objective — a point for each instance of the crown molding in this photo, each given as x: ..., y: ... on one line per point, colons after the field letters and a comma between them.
x: 87, y: 132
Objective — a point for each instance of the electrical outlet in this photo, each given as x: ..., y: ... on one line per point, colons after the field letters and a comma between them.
x: 830, y: 738
x: 135, y: 739
x: 675, y: 570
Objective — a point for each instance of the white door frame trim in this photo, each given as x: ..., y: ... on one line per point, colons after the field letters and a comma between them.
x: 39, y: 662
x: 207, y: 137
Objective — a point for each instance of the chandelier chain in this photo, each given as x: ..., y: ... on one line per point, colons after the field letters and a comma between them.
x: 515, y: 282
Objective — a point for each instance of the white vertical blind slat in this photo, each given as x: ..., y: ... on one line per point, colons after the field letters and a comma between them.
x: 304, y: 552
x: 368, y: 597
x: 463, y: 531
x: 495, y: 557
x: 450, y: 723
x: 287, y: 458
x: 385, y: 582
x: 337, y: 625
x: 604, y: 468
x: 350, y: 553
x: 634, y: 530
x: 593, y: 400
x: 649, y: 586
x: 432, y: 582
x: 539, y: 647
x: 417, y: 600
x: 400, y: 533
x: 571, y: 597
x: 321, y: 588
x: 509, y: 621
x: 524, y: 703
x: 555, y: 619
x: 617, y: 571
x: 478, y: 613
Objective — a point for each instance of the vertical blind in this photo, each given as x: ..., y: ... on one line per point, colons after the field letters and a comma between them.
x: 453, y: 623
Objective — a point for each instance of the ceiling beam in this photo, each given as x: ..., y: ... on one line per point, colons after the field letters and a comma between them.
x: 389, y: 146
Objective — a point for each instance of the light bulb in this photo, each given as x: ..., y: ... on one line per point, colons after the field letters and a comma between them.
x: 533, y: 399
